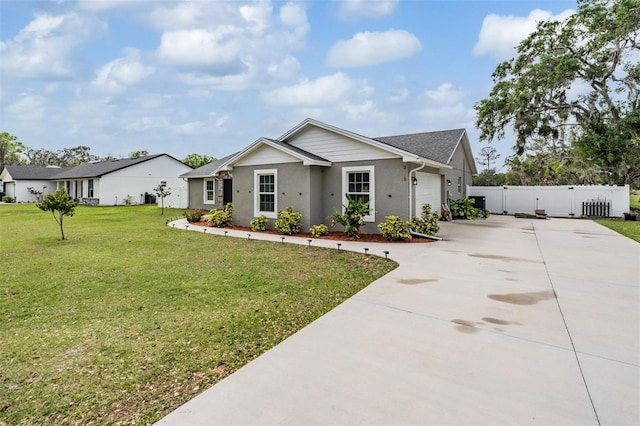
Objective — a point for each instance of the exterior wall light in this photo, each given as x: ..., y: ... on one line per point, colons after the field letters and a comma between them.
x: 414, y: 181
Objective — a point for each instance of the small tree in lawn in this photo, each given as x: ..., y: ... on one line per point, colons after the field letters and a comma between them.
x: 60, y: 205
x: 162, y: 191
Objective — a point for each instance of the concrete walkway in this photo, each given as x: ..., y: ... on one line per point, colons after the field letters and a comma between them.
x: 506, y: 321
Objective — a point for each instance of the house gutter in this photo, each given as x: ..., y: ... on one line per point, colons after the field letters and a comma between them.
x: 410, y: 181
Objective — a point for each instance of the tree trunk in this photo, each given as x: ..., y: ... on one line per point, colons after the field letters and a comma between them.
x: 61, y: 228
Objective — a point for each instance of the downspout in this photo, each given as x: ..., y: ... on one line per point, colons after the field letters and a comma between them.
x: 411, y: 172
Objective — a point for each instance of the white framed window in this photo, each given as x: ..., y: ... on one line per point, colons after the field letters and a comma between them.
x: 209, y: 191
x: 265, y: 189
x: 90, y: 188
x: 359, y: 183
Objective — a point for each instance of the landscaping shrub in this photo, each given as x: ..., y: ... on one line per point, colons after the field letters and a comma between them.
x: 352, y: 218
x: 427, y: 223
x: 259, y: 223
x: 463, y: 209
x: 221, y: 218
x: 393, y: 228
x: 7, y: 199
x: 319, y: 230
x: 289, y: 222
x: 194, y: 215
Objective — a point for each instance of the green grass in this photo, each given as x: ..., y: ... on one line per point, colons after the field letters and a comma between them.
x: 634, y: 200
x: 627, y: 228
x: 128, y: 318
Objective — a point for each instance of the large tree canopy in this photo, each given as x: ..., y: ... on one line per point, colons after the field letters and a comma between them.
x: 10, y: 149
x: 569, y: 79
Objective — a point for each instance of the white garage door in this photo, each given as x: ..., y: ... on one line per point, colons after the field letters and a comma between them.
x: 428, y: 191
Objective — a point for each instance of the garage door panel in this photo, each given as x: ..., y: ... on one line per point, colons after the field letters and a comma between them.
x: 428, y: 191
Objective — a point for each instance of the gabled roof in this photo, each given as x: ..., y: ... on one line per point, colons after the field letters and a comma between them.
x: 34, y: 172
x: 298, y: 152
x: 94, y: 170
x: 438, y: 146
x: 208, y: 170
x: 307, y: 158
x: 434, y: 149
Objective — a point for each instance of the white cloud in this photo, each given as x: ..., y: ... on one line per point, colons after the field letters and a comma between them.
x: 258, y: 15
x: 199, y: 47
x: 444, y: 94
x: 369, y: 48
x: 229, y: 45
x: 321, y: 91
x: 29, y: 107
x: 369, y: 8
x: 43, y: 47
x: 500, y: 34
x: 294, y: 16
x: 105, y: 5
x: 117, y: 75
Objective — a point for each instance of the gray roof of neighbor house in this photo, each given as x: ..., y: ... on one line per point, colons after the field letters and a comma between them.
x: 208, y: 169
x: 437, y: 146
x: 91, y: 170
x: 34, y: 172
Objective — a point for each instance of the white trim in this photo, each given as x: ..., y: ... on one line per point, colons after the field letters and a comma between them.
x: 205, y: 191
x: 372, y: 187
x: 256, y: 192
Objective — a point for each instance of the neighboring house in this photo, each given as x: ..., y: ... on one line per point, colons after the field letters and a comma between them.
x: 16, y: 181
x: 312, y: 166
x: 120, y: 181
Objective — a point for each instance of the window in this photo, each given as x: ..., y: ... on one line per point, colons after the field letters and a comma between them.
x: 459, y: 184
x: 163, y: 183
x: 81, y: 189
x: 265, y: 187
x: 359, y: 183
x: 90, y: 188
x: 209, y: 191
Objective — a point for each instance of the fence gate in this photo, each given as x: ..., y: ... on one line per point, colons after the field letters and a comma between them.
x: 596, y: 208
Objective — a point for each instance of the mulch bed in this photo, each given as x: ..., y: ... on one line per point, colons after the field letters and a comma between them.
x: 335, y: 235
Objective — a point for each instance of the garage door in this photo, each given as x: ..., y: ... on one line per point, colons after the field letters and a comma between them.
x: 428, y: 191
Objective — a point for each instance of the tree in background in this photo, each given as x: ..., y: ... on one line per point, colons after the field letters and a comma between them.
x: 487, y: 155
x: 66, y: 157
x: 162, y: 191
x: 138, y: 154
x: 10, y: 150
x: 577, y: 79
x: 60, y: 205
x: 198, y: 160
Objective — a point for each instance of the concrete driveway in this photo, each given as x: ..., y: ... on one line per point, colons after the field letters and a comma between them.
x: 506, y: 321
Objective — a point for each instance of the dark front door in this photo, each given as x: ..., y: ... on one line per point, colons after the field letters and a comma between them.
x: 227, y: 188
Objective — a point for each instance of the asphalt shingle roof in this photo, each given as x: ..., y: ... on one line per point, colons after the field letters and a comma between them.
x: 437, y: 146
x: 34, y: 172
x: 208, y: 169
x: 91, y: 170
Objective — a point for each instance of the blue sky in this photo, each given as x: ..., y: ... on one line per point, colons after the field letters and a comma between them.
x: 211, y: 77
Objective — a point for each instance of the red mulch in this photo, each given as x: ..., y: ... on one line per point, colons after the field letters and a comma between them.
x: 335, y: 235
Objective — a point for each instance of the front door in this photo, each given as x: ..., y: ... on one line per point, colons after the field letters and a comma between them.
x: 227, y: 191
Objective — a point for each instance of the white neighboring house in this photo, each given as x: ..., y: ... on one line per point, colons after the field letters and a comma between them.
x: 16, y: 181
x: 120, y: 181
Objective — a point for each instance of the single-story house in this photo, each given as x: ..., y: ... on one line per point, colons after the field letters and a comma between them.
x: 312, y: 166
x: 121, y: 181
x: 16, y: 181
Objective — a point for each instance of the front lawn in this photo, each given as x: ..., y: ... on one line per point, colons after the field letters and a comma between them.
x: 627, y: 228
x: 128, y: 318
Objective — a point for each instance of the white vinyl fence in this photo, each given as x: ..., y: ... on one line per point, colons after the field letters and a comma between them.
x: 558, y: 201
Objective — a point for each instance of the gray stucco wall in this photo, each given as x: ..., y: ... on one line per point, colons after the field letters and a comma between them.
x: 314, y: 191
x: 196, y: 194
x: 293, y: 189
x: 460, y: 169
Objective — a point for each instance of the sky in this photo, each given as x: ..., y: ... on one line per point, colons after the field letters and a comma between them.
x: 211, y: 77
